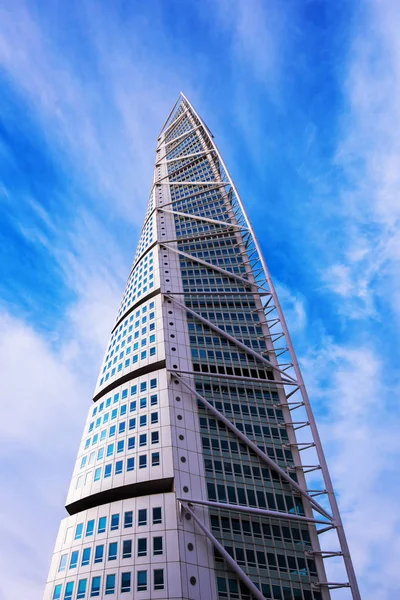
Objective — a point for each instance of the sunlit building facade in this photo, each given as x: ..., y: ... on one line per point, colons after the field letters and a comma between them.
x: 188, y: 482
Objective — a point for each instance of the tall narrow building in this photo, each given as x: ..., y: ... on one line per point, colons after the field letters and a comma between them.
x: 189, y: 482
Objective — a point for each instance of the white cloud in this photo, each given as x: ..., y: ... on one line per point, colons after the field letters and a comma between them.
x: 353, y: 392
x: 44, y: 405
x: 293, y: 305
x: 102, y: 128
x: 369, y: 154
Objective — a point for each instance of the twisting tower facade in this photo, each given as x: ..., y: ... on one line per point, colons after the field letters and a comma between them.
x: 189, y: 482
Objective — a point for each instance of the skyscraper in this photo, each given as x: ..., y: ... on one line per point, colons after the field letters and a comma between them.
x: 188, y: 482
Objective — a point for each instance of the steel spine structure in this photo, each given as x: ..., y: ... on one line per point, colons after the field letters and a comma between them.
x: 189, y: 481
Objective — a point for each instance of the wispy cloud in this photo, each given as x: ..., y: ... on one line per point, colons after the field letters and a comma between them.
x: 351, y: 388
x: 369, y: 154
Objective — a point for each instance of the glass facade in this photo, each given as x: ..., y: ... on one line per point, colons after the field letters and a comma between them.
x: 188, y: 481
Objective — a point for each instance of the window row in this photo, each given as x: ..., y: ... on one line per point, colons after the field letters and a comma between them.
x: 123, y: 346
x: 120, y: 446
x: 119, y: 334
x: 142, y: 404
x: 142, y: 388
x: 255, y: 343
x: 127, y: 351
x: 262, y: 374
x: 254, y: 497
x: 259, y: 530
x: 233, y: 447
x: 92, y: 589
x: 122, y: 428
x: 119, y: 468
x: 246, y: 410
x: 249, y: 429
x: 294, y: 565
x: 114, y: 520
x: 98, y: 555
x: 135, y: 359
x: 232, y: 589
x: 243, y: 394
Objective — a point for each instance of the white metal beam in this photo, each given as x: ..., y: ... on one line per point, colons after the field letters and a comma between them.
x: 286, y: 379
x: 231, y: 562
x: 211, y: 266
x: 200, y: 218
x: 264, y: 457
x: 274, y: 514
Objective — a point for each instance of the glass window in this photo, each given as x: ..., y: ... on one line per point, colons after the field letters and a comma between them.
x: 63, y: 562
x: 114, y: 522
x: 99, y: 553
x: 143, y: 386
x: 142, y: 461
x: 127, y: 549
x: 142, y: 547
x: 110, y: 584
x: 102, y: 525
x: 119, y: 466
x: 95, y: 589
x: 86, y: 556
x: 74, y: 559
x: 154, y: 418
x: 158, y: 579
x: 153, y: 384
x: 57, y: 592
x: 125, y: 582
x: 143, y: 402
x: 69, y: 590
x: 142, y: 516
x: 155, y: 459
x: 132, y: 423
x: 128, y: 518
x: 157, y: 545
x: 107, y: 470
x: 121, y: 427
x: 97, y: 474
x: 157, y: 517
x: 82, y: 586
x: 112, y: 550
x: 110, y: 449
x: 112, y: 431
x: 131, y: 443
x: 153, y: 400
x: 120, y: 446
x: 155, y: 437
x: 143, y: 420
x: 90, y: 527
x: 143, y: 439
x: 79, y: 531
x: 130, y: 464
x: 141, y: 581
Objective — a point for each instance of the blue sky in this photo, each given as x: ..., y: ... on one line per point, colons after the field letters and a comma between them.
x: 303, y: 100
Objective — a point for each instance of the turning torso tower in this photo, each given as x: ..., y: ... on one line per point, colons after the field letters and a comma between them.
x: 191, y: 481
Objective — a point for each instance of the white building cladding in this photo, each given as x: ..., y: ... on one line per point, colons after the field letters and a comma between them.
x: 188, y: 482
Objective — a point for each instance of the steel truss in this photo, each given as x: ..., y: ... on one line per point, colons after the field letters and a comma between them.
x: 287, y: 372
